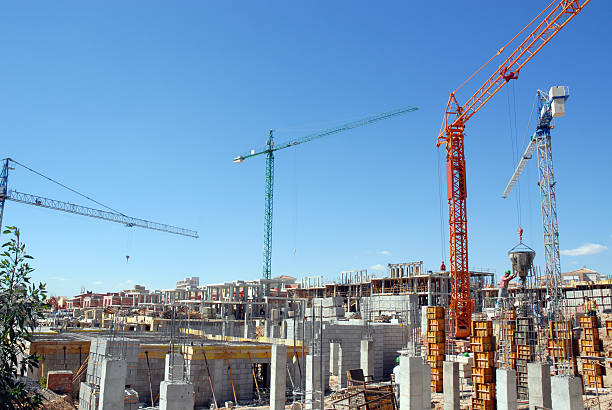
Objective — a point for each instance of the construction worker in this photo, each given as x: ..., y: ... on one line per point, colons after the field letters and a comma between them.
x: 503, y: 294
x: 537, y: 312
x: 396, y: 376
x: 590, y: 307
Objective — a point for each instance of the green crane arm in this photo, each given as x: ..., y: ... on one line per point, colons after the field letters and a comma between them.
x: 325, y: 133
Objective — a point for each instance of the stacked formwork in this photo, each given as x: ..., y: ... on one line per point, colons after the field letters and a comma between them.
x: 561, y: 348
x: 506, y: 341
x: 590, y: 345
x: 436, y: 337
x: 525, y: 340
x: 483, y: 372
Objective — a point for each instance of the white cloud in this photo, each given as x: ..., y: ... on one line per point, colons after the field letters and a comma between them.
x: 385, y: 253
x: 586, y: 249
x: 377, y: 267
x: 129, y: 281
x: 574, y: 262
x: 98, y: 282
x: 57, y: 278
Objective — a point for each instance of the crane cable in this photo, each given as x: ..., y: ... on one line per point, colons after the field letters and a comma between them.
x: 441, y: 202
x: 67, y: 187
x: 529, y: 199
x: 514, y: 146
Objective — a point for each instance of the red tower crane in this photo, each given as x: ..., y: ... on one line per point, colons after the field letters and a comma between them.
x: 548, y: 23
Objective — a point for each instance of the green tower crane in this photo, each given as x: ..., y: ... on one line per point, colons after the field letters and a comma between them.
x: 269, y: 152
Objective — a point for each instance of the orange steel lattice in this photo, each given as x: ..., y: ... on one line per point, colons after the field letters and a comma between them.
x: 548, y: 23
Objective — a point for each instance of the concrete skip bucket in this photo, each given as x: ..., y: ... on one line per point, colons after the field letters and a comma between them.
x: 521, y: 257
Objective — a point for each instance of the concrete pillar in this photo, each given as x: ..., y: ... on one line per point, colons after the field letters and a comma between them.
x: 566, y: 393
x: 367, y: 357
x: 538, y: 382
x: 426, y: 386
x: 450, y: 384
x: 342, y: 365
x: 313, y: 382
x: 334, y: 351
x: 175, y: 367
x: 175, y: 396
x: 279, y: 377
x: 424, y: 321
x: 112, y: 383
x: 411, y: 383
x: 249, y: 330
x: 505, y: 389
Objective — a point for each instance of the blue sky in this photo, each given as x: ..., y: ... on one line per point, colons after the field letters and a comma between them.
x: 143, y: 106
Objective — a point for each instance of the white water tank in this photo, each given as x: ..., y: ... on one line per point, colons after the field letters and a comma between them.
x: 558, y: 95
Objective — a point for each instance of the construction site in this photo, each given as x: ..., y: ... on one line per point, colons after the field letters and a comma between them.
x: 403, y: 337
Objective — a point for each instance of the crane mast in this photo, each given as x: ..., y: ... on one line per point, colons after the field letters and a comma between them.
x: 12, y: 195
x: 547, y: 24
x: 269, y: 150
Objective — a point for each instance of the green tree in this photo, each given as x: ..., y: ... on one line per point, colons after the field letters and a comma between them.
x: 21, y: 304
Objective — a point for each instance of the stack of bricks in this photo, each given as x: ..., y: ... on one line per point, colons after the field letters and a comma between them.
x: 436, y: 337
x: 590, y: 345
x: 483, y: 372
x: 525, y: 340
x: 561, y: 349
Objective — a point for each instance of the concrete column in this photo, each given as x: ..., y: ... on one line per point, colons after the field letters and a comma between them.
x: 334, y: 351
x: 112, y: 383
x: 175, y: 367
x: 538, y: 382
x: 566, y: 393
x: 367, y: 357
x: 175, y: 396
x: 424, y: 321
x: 279, y: 375
x: 450, y: 384
x: 411, y: 383
x: 249, y: 330
x: 505, y: 389
x: 313, y: 382
x: 342, y: 365
x: 426, y: 386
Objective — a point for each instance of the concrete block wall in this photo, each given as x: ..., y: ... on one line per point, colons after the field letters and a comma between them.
x: 103, y: 348
x: 141, y: 384
x: 388, y: 339
x: 89, y: 397
x: 387, y: 305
